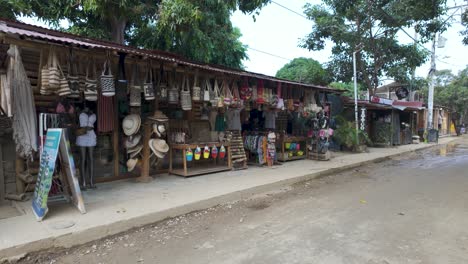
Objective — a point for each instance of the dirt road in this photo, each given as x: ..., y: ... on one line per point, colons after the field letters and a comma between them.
x: 413, y: 209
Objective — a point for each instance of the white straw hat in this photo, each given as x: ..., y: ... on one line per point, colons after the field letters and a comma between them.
x: 159, y: 129
x: 159, y: 147
x: 131, y: 142
x: 136, y: 149
x: 131, y: 163
x: 131, y: 124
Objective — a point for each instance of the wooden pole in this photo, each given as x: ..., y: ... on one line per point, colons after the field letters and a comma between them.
x: 2, y: 175
x: 146, y: 154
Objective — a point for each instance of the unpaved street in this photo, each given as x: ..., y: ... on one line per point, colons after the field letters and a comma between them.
x: 413, y: 209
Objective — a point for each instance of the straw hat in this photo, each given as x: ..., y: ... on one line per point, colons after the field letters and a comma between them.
x: 131, y: 124
x: 135, y: 149
x: 159, y: 147
x: 131, y: 142
x: 158, y: 116
x: 159, y: 129
x: 131, y: 163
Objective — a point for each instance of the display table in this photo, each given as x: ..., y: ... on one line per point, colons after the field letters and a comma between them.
x: 283, y: 154
x: 206, y: 166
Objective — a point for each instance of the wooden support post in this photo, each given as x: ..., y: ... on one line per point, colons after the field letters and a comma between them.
x: 146, y: 154
x: 115, y: 138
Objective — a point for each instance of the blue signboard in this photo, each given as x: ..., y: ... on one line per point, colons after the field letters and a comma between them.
x: 46, y: 172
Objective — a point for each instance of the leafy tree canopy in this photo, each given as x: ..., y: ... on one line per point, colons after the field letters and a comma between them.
x: 451, y: 91
x: 374, y: 25
x: 304, y: 70
x: 198, y: 29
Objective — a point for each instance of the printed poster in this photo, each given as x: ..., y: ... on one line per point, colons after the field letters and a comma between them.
x: 46, y: 172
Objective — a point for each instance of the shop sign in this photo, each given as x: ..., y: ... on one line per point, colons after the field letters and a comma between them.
x: 378, y: 100
x: 56, y: 142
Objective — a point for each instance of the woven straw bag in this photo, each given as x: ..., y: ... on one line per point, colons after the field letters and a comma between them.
x: 107, y: 79
x: 162, y: 84
x: 135, y: 89
x: 226, y: 92
x: 45, y: 79
x: 72, y: 76
x: 54, y: 72
x: 215, y: 95
x: 90, y: 84
x: 64, y: 89
x: 236, y: 100
x: 173, y: 92
x: 206, y: 90
x: 185, y: 98
x: 148, y: 87
x: 196, y: 90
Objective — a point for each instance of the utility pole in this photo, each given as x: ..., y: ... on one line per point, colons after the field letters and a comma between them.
x: 430, y: 98
x: 356, y: 113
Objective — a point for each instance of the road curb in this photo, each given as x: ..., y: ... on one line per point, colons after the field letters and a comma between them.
x: 81, y: 237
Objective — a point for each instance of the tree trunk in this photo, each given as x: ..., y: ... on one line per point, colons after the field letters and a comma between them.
x: 118, y: 29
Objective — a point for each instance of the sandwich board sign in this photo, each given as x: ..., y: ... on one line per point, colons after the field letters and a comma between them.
x: 56, y: 145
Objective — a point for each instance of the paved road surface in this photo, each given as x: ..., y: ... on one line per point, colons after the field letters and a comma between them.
x: 413, y: 209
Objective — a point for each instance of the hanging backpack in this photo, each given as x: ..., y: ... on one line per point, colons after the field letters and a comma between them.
x: 107, y: 79
x: 196, y: 91
x: 173, y: 91
x: 148, y: 88
x: 135, y: 88
x: 73, y: 79
x: 206, y: 90
x: 185, y: 98
x: 226, y: 92
x: 90, y: 92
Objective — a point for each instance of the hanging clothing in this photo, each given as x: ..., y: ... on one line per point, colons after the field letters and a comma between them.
x: 24, y: 110
x: 105, y: 114
x: 220, y: 124
x: 233, y: 119
x: 5, y: 94
x: 88, y: 139
x: 270, y: 119
x: 213, y: 114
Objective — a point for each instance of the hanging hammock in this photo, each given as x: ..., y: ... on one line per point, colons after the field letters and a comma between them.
x: 24, y: 110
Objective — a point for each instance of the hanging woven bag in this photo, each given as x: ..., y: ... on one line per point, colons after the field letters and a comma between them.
x: 135, y: 88
x: 219, y: 100
x: 54, y: 72
x: 72, y: 76
x: 196, y: 90
x: 206, y: 90
x: 185, y: 98
x: 107, y: 79
x: 226, y: 92
x: 90, y: 92
x: 148, y: 87
x: 173, y: 91
x: 162, y: 84
x: 44, y: 90
x: 236, y: 100
x: 64, y: 89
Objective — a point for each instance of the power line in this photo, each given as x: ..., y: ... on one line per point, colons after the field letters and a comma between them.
x: 289, y: 9
x: 270, y: 54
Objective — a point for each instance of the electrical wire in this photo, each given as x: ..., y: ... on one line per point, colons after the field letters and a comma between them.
x: 289, y: 9
x: 270, y: 54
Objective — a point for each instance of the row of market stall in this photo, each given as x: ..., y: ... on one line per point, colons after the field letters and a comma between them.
x: 137, y: 113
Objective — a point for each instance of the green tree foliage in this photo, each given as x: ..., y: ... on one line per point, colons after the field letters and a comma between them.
x: 304, y: 70
x: 198, y: 29
x: 374, y: 24
x: 451, y: 91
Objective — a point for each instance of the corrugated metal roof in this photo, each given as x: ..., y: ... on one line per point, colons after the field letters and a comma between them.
x: 40, y: 33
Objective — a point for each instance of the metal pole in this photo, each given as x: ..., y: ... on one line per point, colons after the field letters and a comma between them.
x: 430, y: 98
x: 356, y: 115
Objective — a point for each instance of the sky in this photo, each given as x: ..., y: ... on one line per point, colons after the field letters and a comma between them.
x: 278, y: 31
